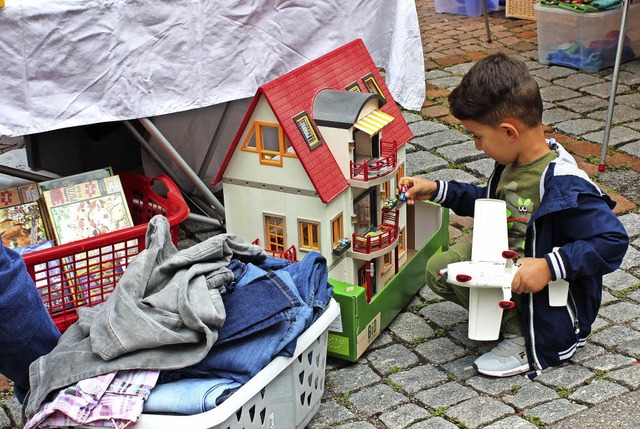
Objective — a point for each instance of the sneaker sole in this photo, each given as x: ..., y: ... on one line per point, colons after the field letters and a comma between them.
x: 519, y: 370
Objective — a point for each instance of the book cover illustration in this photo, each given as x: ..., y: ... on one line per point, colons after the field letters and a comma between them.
x: 21, y: 223
x: 87, y: 209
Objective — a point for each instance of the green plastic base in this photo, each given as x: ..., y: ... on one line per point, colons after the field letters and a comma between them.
x: 361, y: 322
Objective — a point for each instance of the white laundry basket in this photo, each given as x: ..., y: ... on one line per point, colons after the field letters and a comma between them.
x: 284, y: 395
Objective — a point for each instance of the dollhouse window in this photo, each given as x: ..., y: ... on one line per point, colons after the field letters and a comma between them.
x: 402, y: 244
x: 337, y: 230
x: 387, y: 260
x: 354, y: 87
x: 372, y: 84
x: 274, y: 233
x: 400, y: 174
x: 309, y: 234
x: 268, y: 140
x: 385, y: 190
x: 308, y: 130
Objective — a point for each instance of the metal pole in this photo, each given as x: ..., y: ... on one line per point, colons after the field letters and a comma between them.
x: 181, y: 163
x: 486, y: 20
x: 614, y: 85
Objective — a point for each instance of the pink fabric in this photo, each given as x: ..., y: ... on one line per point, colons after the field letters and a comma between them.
x: 109, y: 400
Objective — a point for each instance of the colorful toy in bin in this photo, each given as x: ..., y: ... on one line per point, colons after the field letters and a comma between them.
x: 316, y: 160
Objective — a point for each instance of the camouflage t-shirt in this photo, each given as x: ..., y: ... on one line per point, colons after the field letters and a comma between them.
x: 519, y: 186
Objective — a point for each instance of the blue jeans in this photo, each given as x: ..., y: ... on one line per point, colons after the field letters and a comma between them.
x: 189, y: 396
x: 26, y: 329
x: 267, y: 308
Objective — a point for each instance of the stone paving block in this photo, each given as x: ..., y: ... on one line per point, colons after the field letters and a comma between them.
x: 450, y: 81
x: 444, y: 314
x: 461, y: 368
x: 5, y: 422
x: 631, y: 222
x: 621, y: 114
x: 542, y: 83
x: 608, y: 362
x: 428, y: 295
x: 553, y: 93
x: 530, y: 394
x: 604, y: 89
x: 620, y: 312
x: 626, y: 182
x: 512, y: 422
x: 460, y: 153
x: 434, y: 423
x: 553, y: 72
x: 607, y: 298
x: 460, y: 69
x: 629, y: 376
x: 632, y: 100
x: 635, y: 296
x: 410, y: 327
x: 631, y: 258
x: 578, y: 80
x: 619, y: 280
x: 569, y: 376
x: 448, y: 174
x: 477, y: 412
x: 418, y: 378
x: 422, y: 161
x: 483, y: 167
x: 351, y: 378
x: 618, y: 136
x: 425, y: 127
x: 435, y: 74
x: 374, y: 399
x: 411, y: 117
x: 578, y: 127
x: 329, y: 413
x: 631, y: 348
x: 632, y: 148
x: 384, y: 339
x: 555, y: 115
x: 445, y: 395
x: 614, y: 335
x: 554, y: 411
x: 403, y: 415
x: 14, y: 410
x: 356, y: 425
x: 495, y: 385
x: 440, y: 350
x: 626, y: 77
x: 601, y: 323
x: 598, y: 391
x: 439, y: 138
x: 394, y: 356
x: 461, y: 333
x: 410, y: 148
x: 584, y: 104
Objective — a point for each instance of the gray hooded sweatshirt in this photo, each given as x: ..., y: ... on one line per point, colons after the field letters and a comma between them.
x: 165, y: 313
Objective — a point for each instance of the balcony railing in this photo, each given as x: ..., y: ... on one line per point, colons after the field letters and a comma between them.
x: 290, y: 254
x: 376, y: 167
x: 384, y: 236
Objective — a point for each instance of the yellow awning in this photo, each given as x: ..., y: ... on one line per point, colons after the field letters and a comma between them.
x: 373, y: 122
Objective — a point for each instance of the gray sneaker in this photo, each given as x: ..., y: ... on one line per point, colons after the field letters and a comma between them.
x: 508, y: 358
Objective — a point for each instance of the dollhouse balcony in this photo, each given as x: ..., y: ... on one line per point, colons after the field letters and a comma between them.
x: 365, y: 170
x: 289, y: 254
x: 376, y: 242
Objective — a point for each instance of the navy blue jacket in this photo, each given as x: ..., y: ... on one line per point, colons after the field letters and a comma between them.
x: 576, y: 216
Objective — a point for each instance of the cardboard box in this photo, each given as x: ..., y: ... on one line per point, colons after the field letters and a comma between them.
x: 585, y: 41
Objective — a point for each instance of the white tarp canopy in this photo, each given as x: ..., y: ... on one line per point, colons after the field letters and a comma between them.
x: 74, y: 62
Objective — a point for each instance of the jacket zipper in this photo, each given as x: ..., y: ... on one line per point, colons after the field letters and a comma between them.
x: 532, y: 335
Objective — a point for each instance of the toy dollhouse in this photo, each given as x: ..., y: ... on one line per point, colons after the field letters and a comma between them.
x: 315, y: 167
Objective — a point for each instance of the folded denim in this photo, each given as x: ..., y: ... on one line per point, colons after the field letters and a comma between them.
x: 189, y: 396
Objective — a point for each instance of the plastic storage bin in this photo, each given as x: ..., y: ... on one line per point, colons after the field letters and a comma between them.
x: 285, y: 394
x: 472, y: 8
x: 84, y: 273
x: 585, y: 41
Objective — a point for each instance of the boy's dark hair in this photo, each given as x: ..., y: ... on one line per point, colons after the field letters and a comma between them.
x: 495, y: 88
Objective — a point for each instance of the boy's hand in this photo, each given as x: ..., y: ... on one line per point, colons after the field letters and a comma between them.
x: 417, y: 188
x: 532, y: 276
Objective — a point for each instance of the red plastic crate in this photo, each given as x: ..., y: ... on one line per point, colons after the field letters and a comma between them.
x: 84, y: 273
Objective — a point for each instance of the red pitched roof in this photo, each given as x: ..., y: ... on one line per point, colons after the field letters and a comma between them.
x: 295, y: 91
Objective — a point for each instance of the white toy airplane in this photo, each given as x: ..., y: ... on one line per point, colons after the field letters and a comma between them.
x: 489, y: 273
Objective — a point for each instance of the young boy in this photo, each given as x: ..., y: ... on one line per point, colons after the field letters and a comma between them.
x: 551, y: 204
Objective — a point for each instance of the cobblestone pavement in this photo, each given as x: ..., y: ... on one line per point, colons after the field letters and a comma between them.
x: 418, y: 373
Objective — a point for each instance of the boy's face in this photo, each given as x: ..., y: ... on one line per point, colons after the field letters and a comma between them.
x: 496, y: 141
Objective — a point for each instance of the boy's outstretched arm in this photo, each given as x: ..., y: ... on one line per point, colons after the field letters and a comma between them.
x: 417, y: 189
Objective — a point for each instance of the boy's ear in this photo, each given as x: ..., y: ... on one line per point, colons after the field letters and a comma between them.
x: 510, y: 129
